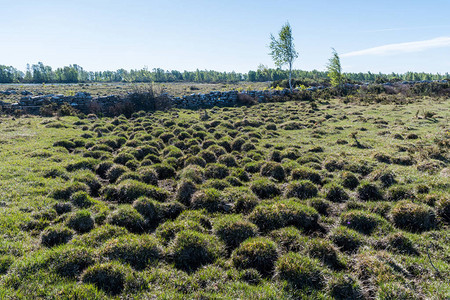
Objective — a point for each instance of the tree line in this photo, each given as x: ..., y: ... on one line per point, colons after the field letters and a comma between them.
x: 40, y: 73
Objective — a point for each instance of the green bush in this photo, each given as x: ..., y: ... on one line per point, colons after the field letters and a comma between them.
x: 443, y: 209
x: 233, y: 230
x: 346, y: 239
x: 62, y: 208
x: 335, y: 192
x: 164, y: 171
x: 191, y: 250
x: 302, y: 189
x: 103, y: 168
x: 274, y: 170
x: 362, y: 221
x: 244, y: 201
x: 264, y: 188
x: 398, y: 243
x: 396, y: 193
x: 109, y: 277
x: 305, y: 173
x: 81, y: 221
x: 321, y: 205
x: 195, y: 160
x: 148, y: 208
x: 128, y: 217
x: 251, y: 276
x: 289, y: 239
x: 5, y: 262
x: 270, y: 216
x: 216, y: 171
x: 114, y: 172
x: 349, y: 180
x: 137, y: 251
x: 227, y: 160
x: 67, y: 190
x: 299, y: 271
x: 256, y: 253
x: 193, y: 173
x: 129, y: 190
x: 368, y: 192
x: 148, y: 175
x: 82, y: 199
x: 167, y: 230
x: 88, y: 163
x: 123, y: 158
x: 343, y: 287
x: 57, y: 235
x: 324, y: 251
x: 209, y: 199
x: 185, y: 190
x: 71, y: 261
x: 413, y: 217
x: 98, y: 236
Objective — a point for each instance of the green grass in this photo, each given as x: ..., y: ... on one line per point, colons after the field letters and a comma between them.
x: 262, y: 196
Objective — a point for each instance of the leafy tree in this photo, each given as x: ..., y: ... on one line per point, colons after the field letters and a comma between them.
x: 335, y: 70
x: 283, y: 50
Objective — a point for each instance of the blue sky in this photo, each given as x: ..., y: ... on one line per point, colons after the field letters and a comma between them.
x: 377, y: 36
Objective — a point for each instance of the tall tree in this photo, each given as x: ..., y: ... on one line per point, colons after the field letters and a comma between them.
x: 335, y: 70
x: 283, y: 49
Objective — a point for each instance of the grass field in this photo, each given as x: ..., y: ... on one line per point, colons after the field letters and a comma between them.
x: 274, y: 201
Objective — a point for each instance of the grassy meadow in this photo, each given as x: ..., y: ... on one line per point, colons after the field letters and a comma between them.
x: 293, y: 200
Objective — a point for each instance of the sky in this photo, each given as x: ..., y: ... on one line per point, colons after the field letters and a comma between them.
x: 227, y: 35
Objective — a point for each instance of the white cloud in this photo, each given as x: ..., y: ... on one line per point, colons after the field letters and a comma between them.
x: 402, y: 47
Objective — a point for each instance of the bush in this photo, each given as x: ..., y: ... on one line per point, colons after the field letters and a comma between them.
x: 148, y: 175
x: 137, y: 251
x: 123, y: 158
x: 396, y: 193
x: 185, y: 190
x: 335, y: 192
x: 99, y: 235
x: 209, y: 199
x: 217, y: 171
x: 54, y: 236
x: 368, y: 192
x: 233, y: 230
x: 62, y: 208
x: 413, y: 217
x: 109, y: 277
x: 164, y: 171
x: 274, y: 170
x: 148, y: 208
x: 81, y: 221
x: 305, y: 173
x: 349, y: 180
x: 70, y: 261
x: 115, y: 172
x: 299, y: 271
x: 251, y: 276
x: 129, y: 190
x: 128, y: 217
x: 167, y: 230
x: 302, y: 189
x: 82, y: 199
x: 264, y: 188
x: 227, y: 160
x: 256, y: 253
x: 66, y: 191
x: 88, y: 163
x: 289, y: 239
x: 324, y: 251
x: 195, y: 160
x: 361, y: 221
x: 398, y: 243
x: 343, y: 287
x: 346, y: 239
x: 208, y: 156
x: 193, y: 173
x: 270, y: 216
x: 102, y: 168
x: 443, y: 209
x: 191, y: 250
x: 321, y: 205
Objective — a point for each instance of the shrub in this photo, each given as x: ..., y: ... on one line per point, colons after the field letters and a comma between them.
x: 88, y: 163
x: 270, y: 216
x: 253, y: 167
x: 251, y: 276
x: 299, y: 271
x: 195, y: 160
x: 70, y: 261
x: 289, y: 239
x: 248, y: 147
x: 129, y: 190
x: 185, y: 190
x: 109, y: 277
x: 236, y: 145
x: 349, y: 180
x: 128, y: 217
x: 57, y: 235
x: 305, y: 173
x: 67, y: 190
x: 343, y: 287
x: 274, y: 170
x: 164, y: 171
x: 167, y: 230
x: 264, y: 188
x: 335, y: 192
x: 227, y: 160
x: 138, y: 251
x: 398, y: 243
x: 99, y: 235
x: 208, y: 156
x: 346, y: 239
x: 233, y: 230
x: 324, y: 251
x: 217, y: 171
x: 191, y: 250
x: 193, y: 173
x: 170, y: 210
x: 256, y: 253
x: 5, y: 262
x: 62, y: 208
x: 368, y: 191
x: 123, y: 158
x: 148, y: 208
x: 396, y: 193
x: 148, y: 175
x: 443, y: 209
x: 81, y: 221
x: 209, y: 199
x: 321, y: 205
x: 115, y: 172
x: 413, y: 217
x: 199, y: 216
x: 302, y: 189
x: 82, y: 199
x: 103, y: 168
x: 361, y: 221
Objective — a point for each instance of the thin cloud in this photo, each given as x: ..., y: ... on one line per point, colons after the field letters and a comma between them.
x: 404, y: 29
x: 409, y: 47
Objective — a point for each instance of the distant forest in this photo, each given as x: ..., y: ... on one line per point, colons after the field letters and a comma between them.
x: 40, y: 73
